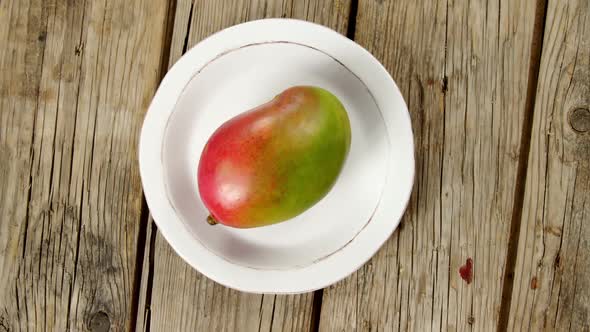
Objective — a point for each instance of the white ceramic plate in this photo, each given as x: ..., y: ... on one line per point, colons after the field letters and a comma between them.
x: 235, y: 70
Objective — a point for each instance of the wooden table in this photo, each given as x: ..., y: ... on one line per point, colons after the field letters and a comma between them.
x: 499, y: 94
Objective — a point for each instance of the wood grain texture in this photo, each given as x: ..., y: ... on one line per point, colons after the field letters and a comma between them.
x: 76, y: 79
x: 552, y: 273
x: 462, y: 67
x: 177, y: 290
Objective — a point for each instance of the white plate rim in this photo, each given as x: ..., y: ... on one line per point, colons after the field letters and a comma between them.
x: 329, y: 269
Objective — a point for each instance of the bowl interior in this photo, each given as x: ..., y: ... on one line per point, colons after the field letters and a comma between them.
x: 239, y: 80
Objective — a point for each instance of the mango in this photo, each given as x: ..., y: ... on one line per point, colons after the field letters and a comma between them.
x: 272, y: 163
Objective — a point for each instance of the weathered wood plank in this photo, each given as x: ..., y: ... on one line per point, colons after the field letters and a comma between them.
x: 76, y: 79
x: 463, y: 68
x: 195, y: 302
x: 552, y: 273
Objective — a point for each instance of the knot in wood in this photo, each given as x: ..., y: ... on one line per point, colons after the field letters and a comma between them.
x: 100, y: 322
x: 580, y: 119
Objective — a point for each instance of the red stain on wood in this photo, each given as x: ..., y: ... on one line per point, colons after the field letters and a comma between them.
x: 466, y: 271
x: 534, y: 284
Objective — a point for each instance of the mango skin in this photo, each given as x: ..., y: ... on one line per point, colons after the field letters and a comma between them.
x: 272, y: 163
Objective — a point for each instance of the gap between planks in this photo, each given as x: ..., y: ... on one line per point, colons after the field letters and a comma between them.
x: 145, y: 232
x: 521, y: 175
x: 318, y: 295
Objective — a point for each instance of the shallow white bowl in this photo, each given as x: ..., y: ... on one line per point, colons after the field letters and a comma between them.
x: 235, y: 70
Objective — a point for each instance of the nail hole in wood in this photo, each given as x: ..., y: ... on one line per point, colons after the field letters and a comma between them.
x: 580, y: 119
x: 100, y: 322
